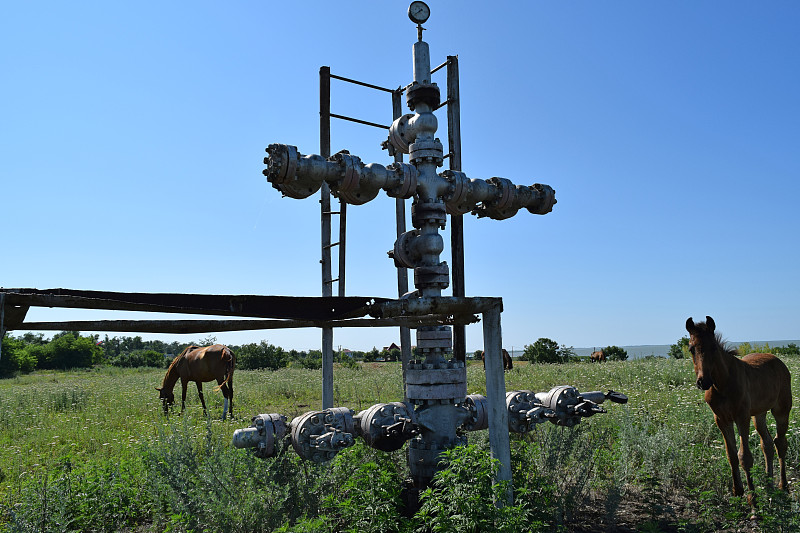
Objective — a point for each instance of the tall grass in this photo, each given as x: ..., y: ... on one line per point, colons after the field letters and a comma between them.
x: 91, y: 451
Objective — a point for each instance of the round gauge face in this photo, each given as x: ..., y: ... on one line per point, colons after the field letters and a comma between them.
x: 419, y: 12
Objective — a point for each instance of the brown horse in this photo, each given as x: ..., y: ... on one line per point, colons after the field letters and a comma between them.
x: 508, y: 364
x: 737, y: 389
x: 597, y: 357
x: 197, y: 364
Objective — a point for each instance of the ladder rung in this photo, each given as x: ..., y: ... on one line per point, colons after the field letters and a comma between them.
x: 331, y: 212
x: 332, y: 280
x: 331, y: 245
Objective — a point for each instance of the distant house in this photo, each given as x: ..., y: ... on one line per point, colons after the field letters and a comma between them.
x: 391, y: 347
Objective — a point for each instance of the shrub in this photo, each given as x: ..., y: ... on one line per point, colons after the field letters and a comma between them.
x: 139, y: 358
x: 615, y: 353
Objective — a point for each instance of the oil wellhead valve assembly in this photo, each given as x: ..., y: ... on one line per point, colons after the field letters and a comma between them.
x: 438, y: 410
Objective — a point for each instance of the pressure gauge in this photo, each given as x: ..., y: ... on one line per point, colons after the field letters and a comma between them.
x: 419, y: 12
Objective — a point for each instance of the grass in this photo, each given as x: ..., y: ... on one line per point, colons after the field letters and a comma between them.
x: 91, y: 450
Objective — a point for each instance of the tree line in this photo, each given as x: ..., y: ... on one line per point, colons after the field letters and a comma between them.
x: 71, y: 349
x: 680, y: 350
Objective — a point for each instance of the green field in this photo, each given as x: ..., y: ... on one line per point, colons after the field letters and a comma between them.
x: 91, y: 450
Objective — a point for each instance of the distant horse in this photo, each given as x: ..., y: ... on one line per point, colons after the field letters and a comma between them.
x: 737, y: 389
x: 597, y: 357
x: 197, y: 364
x: 508, y: 364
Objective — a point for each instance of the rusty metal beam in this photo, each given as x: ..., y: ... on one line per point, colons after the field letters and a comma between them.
x: 256, y: 306
x: 211, y: 326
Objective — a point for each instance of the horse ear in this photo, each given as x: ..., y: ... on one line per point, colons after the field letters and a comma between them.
x: 710, y: 323
x: 690, y: 327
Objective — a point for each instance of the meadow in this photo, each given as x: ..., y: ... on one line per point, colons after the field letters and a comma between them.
x: 90, y: 450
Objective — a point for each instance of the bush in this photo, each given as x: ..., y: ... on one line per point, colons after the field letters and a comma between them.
x: 259, y: 356
x: 67, y: 350
x: 680, y: 350
x: 15, y: 357
x: 545, y: 350
x: 615, y: 353
x: 139, y: 358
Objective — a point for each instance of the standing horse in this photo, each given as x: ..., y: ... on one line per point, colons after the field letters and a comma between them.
x: 507, y: 362
x: 737, y: 389
x: 597, y: 357
x: 197, y: 364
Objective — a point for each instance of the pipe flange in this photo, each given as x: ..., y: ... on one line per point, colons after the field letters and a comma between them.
x: 432, y: 212
x: 478, y: 407
x: 350, y: 166
x: 426, y: 151
x: 544, y: 199
x: 427, y: 93
x: 397, y: 133
x: 403, y: 253
x: 432, y: 276
x: 502, y: 206
x: 387, y: 426
x: 455, y: 200
x: 408, y: 186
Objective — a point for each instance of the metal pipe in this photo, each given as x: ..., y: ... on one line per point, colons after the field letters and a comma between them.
x: 325, y: 202
x: 402, y: 272
x: 456, y: 220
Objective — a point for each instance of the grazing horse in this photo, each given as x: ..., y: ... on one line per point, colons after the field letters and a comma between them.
x: 508, y: 364
x: 737, y: 389
x: 197, y: 364
x: 597, y: 357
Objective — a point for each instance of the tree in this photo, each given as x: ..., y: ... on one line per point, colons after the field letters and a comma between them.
x: 789, y: 349
x: 15, y: 357
x: 477, y: 355
x: 372, y: 355
x: 263, y: 355
x: 680, y: 349
x: 615, y: 353
x: 544, y: 350
x: 67, y: 350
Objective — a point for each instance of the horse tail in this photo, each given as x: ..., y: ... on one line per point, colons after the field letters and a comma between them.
x: 230, y: 365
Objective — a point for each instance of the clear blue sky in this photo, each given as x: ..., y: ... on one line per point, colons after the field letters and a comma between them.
x: 132, y: 136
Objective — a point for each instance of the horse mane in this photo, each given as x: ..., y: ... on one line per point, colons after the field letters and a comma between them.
x: 178, y: 358
x: 723, y: 346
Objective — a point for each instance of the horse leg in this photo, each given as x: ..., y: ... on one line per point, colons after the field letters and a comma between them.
x: 767, y: 446
x: 227, y: 392
x: 745, y: 455
x: 781, y: 426
x: 184, y: 384
x: 730, y: 450
x: 200, y: 393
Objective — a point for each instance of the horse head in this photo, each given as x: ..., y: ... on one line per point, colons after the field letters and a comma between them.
x: 702, y: 346
x: 167, y: 398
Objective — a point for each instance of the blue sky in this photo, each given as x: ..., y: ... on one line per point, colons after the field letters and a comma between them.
x: 132, y: 137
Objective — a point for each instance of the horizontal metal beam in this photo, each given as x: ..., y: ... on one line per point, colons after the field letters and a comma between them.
x: 255, y: 306
x: 211, y: 326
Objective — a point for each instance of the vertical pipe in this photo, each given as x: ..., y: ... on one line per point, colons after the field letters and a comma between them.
x: 325, y: 205
x: 342, y: 238
x: 496, y: 397
x: 456, y: 221
x: 402, y: 273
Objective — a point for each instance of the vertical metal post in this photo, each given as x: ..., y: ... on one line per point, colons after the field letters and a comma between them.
x: 456, y: 221
x: 402, y: 273
x: 342, y: 238
x: 325, y: 203
x: 496, y: 396
x: 2, y: 322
